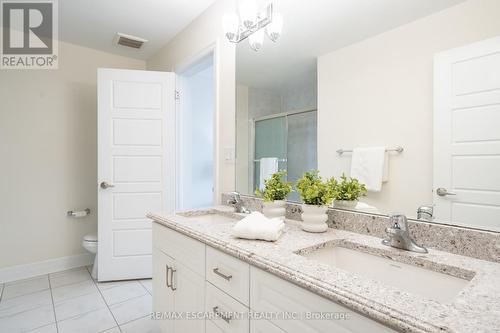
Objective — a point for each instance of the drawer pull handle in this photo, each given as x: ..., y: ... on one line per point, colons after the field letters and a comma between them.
x: 167, y: 269
x: 172, y: 271
x: 222, y: 275
x: 221, y: 315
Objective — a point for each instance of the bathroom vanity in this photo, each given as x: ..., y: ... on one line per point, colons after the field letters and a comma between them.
x: 205, y: 280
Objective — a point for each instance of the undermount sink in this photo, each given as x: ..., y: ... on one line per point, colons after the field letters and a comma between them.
x: 416, y: 280
x: 211, y: 216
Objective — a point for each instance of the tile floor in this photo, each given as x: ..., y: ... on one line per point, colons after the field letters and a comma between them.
x: 72, y: 302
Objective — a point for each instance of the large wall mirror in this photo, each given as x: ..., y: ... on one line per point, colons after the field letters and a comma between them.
x: 350, y: 77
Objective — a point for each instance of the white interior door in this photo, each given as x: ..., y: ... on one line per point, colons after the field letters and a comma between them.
x: 467, y: 135
x: 136, y: 150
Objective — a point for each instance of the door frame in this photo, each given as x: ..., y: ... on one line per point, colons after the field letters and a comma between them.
x: 212, y: 51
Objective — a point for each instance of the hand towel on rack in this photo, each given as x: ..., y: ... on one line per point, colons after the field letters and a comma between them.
x: 268, y: 166
x: 257, y: 226
x: 385, y: 176
x: 368, y: 165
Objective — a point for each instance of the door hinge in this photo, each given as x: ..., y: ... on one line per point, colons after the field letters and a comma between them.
x: 177, y: 95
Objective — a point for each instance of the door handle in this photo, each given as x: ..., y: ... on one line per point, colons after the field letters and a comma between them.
x: 222, y: 275
x: 104, y: 185
x: 172, y: 271
x: 442, y: 192
x: 167, y: 269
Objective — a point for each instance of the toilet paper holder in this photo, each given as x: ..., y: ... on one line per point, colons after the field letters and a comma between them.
x: 80, y: 213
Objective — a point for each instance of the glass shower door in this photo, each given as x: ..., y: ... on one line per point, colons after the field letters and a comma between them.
x: 293, y: 140
x: 270, y: 141
x: 302, y: 152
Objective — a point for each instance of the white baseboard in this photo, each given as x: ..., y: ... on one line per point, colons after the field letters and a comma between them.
x: 26, y: 271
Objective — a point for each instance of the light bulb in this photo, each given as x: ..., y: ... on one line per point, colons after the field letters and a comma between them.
x: 256, y: 39
x: 274, y: 28
x: 248, y: 13
x: 230, y: 23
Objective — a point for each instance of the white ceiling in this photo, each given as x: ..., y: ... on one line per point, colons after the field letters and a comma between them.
x: 94, y: 23
x: 315, y: 27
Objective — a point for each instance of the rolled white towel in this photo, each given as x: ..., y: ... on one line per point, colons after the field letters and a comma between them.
x: 257, y: 226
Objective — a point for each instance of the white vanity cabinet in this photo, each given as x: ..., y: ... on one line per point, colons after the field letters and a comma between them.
x: 212, y: 328
x: 264, y: 326
x: 190, y: 277
x: 269, y: 293
x: 177, y: 290
x: 178, y: 281
x: 163, y: 295
x: 189, y: 298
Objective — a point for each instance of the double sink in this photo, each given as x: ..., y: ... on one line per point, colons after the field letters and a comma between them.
x: 407, y: 277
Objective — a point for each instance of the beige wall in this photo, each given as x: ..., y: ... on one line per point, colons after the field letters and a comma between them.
x: 379, y: 92
x: 48, y: 149
x: 205, y: 32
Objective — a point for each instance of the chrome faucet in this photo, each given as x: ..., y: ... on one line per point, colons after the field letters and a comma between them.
x: 237, y: 203
x: 399, y: 236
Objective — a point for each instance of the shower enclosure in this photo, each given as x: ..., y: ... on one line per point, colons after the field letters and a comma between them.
x: 291, y: 138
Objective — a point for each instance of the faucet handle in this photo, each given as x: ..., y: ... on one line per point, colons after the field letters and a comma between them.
x: 399, y: 221
x: 392, y: 231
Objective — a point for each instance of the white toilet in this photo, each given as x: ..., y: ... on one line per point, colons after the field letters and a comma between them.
x: 89, y: 243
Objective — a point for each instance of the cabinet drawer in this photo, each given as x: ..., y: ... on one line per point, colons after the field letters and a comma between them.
x: 269, y: 293
x: 185, y: 250
x: 264, y: 326
x: 212, y: 328
x: 228, y: 274
x: 228, y: 314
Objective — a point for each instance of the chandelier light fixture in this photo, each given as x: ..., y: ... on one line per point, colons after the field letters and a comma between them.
x: 251, y: 23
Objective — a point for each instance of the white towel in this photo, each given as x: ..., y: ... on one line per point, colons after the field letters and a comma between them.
x: 268, y: 166
x: 368, y: 166
x: 385, y: 176
x: 257, y: 226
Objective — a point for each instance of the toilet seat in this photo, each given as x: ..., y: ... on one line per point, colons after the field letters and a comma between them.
x: 90, y: 243
x: 90, y: 238
x: 90, y: 246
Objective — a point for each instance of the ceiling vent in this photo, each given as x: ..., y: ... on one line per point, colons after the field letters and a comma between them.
x: 129, y: 41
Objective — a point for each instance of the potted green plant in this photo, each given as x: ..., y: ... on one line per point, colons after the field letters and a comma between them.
x: 347, y: 192
x: 316, y: 194
x: 274, y: 195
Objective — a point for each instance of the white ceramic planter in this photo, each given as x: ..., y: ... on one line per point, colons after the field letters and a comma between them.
x: 314, y: 218
x: 346, y: 204
x: 275, y: 208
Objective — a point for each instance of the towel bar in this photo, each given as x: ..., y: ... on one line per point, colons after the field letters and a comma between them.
x: 397, y: 149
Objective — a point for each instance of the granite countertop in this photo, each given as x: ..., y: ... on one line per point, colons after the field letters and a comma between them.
x: 475, y: 309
